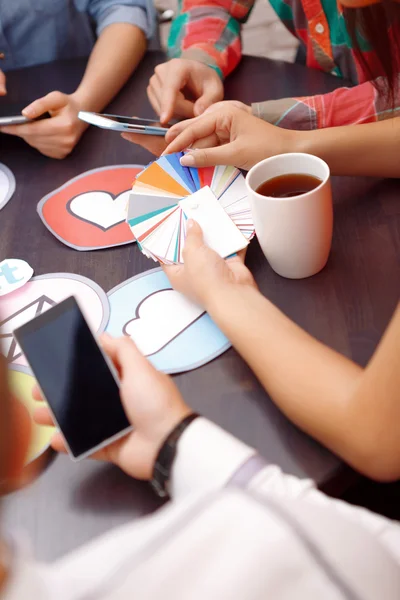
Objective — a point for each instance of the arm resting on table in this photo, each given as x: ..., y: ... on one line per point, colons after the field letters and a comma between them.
x: 354, y: 412
x: 363, y: 103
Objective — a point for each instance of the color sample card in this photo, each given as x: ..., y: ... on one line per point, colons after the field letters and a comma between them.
x: 166, y: 194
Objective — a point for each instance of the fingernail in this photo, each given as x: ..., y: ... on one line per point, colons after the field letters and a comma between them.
x: 187, y: 160
x: 189, y: 224
x: 2, y: 89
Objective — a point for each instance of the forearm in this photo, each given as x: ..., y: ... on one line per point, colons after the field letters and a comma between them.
x: 117, y: 52
x: 309, y: 382
x: 344, y: 106
x: 219, y: 46
x: 372, y: 149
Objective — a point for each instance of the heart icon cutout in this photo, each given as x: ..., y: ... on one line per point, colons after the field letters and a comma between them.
x: 102, y: 209
x: 88, y: 211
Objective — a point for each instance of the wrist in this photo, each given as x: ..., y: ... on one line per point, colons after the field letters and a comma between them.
x: 216, y: 301
x: 165, y: 458
x: 84, y: 100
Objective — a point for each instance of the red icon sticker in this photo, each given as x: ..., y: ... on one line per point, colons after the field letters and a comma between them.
x: 89, y: 211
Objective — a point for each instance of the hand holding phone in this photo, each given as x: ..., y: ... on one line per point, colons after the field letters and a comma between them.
x: 77, y: 380
x: 151, y: 401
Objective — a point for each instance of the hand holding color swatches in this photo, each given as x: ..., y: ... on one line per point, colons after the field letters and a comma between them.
x: 166, y: 194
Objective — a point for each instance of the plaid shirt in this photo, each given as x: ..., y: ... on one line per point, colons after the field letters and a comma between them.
x: 209, y: 31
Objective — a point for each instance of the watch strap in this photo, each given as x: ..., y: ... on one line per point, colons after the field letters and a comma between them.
x: 166, y: 455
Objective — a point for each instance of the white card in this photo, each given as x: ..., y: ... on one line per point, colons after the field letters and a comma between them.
x: 220, y: 232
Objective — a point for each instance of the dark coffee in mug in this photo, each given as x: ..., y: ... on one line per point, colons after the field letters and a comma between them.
x: 286, y: 186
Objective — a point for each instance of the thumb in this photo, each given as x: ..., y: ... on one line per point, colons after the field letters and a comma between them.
x: 194, y: 238
x: 3, y: 89
x: 210, y: 157
x: 53, y: 102
x: 212, y: 92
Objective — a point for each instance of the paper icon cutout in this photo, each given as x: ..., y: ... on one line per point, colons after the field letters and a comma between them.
x: 7, y: 185
x: 40, y: 294
x: 162, y: 316
x: 21, y: 383
x: 14, y: 273
x: 89, y: 211
x: 166, y: 194
x: 175, y: 334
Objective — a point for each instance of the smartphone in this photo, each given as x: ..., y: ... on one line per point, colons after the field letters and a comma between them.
x: 11, y: 115
x: 76, y: 378
x: 14, y: 120
x: 120, y: 123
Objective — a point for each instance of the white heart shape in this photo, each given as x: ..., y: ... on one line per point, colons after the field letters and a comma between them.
x: 7, y: 185
x: 100, y: 208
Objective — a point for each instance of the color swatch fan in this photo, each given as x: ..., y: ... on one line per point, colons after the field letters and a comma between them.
x: 166, y: 194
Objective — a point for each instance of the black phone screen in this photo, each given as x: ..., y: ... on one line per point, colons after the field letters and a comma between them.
x: 74, y: 376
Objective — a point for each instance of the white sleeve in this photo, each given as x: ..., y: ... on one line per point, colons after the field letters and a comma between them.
x: 209, y: 458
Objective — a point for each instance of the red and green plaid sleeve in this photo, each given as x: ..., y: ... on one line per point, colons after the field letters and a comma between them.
x: 209, y: 31
x: 345, y: 106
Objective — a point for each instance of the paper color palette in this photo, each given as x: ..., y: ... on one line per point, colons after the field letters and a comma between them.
x: 166, y: 194
x: 89, y: 211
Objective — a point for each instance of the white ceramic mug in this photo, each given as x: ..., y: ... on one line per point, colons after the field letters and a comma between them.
x: 295, y: 233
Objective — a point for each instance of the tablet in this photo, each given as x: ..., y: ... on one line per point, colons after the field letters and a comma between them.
x: 122, y: 123
x: 76, y: 378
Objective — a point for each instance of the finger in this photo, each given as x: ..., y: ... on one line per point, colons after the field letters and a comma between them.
x: 177, y: 129
x: 53, y: 102
x: 208, y: 142
x: 36, y: 393
x: 194, y: 238
x: 212, y: 92
x: 126, y: 356
x: 228, y: 154
x: 195, y: 130
x: 175, y: 80
x: 3, y: 88
x: 45, y: 128
x: 153, y: 143
x: 153, y: 98
x: 42, y: 416
x: 58, y: 444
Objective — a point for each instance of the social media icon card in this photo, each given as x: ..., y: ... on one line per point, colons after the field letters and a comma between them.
x: 14, y: 273
x: 175, y: 334
x: 89, y: 211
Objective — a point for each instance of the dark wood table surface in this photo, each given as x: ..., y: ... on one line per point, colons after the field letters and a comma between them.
x: 346, y: 306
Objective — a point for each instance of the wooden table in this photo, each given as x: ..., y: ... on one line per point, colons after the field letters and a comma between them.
x: 346, y: 306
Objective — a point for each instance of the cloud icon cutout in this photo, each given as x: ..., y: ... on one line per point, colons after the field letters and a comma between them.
x: 160, y: 318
